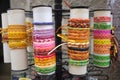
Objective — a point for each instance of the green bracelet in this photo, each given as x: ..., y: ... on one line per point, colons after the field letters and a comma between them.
x: 102, y: 25
x: 101, y: 57
x: 45, y: 70
x: 101, y: 64
x: 78, y: 63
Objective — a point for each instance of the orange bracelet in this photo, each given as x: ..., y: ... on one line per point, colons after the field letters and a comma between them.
x: 45, y: 60
x: 102, y: 51
x: 78, y: 55
x: 103, y: 46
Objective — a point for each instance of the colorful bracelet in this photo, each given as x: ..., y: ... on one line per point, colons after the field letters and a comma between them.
x: 102, y: 26
x: 101, y: 57
x: 79, y: 37
x: 79, y: 25
x: 78, y: 63
x: 17, y: 44
x: 78, y: 55
x: 78, y: 49
x: 101, y: 64
x: 102, y: 51
x: 46, y: 60
x: 97, y: 32
x: 17, y: 35
x: 79, y: 31
x: 102, y: 19
x: 43, y: 23
x: 78, y: 20
x: 102, y: 36
x: 78, y: 45
x: 47, y: 70
x: 102, y: 41
x: 16, y: 28
x: 104, y: 46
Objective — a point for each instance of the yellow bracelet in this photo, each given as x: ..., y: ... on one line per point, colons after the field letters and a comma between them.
x: 17, y: 35
x: 16, y: 28
x: 102, y: 41
x: 17, y: 44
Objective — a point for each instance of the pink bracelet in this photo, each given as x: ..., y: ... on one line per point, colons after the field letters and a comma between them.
x: 102, y: 19
x: 102, y: 32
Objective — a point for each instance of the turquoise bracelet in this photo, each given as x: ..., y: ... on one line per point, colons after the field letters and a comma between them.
x: 102, y: 26
x: 101, y: 64
x: 45, y: 70
x: 78, y: 63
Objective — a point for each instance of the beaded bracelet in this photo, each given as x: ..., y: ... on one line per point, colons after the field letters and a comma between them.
x: 102, y: 26
x: 97, y: 46
x: 78, y: 45
x: 17, y: 35
x: 97, y: 32
x: 78, y: 49
x: 78, y: 63
x: 17, y: 28
x: 101, y: 63
x: 78, y: 20
x: 79, y: 31
x: 78, y: 55
x: 102, y: 36
x: 45, y: 60
x: 102, y: 41
x: 102, y: 51
x: 78, y: 37
x: 102, y: 19
x: 43, y: 23
x: 101, y: 57
x: 46, y: 70
x: 17, y: 44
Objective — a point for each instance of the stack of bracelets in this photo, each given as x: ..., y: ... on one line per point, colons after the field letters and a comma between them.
x: 43, y: 40
x: 78, y: 40
x: 17, y: 38
x: 102, y: 38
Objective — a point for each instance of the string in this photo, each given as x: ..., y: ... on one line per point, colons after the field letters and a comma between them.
x: 56, y: 48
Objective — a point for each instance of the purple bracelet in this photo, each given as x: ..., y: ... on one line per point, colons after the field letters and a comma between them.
x: 43, y: 23
x: 43, y: 31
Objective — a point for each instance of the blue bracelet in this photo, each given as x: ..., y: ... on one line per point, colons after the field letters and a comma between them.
x: 43, y: 23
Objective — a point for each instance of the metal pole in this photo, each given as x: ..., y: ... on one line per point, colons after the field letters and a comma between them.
x: 58, y: 20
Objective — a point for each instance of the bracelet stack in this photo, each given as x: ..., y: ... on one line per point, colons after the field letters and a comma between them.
x: 43, y: 40
x: 102, y: 38
x: 78, y: 40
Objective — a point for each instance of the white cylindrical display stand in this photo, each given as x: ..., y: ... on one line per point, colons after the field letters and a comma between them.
x: 79, y: 12
x: 17, y: 44
x: 16, y: 16
x: 77, y: 70
x: 6, y: 50
x: 102, y: 37
x: 78, y: 15
x: 18, y: 59
x: 42, y: 14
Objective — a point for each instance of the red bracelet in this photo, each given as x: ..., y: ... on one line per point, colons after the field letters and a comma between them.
x: 102, y: 19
